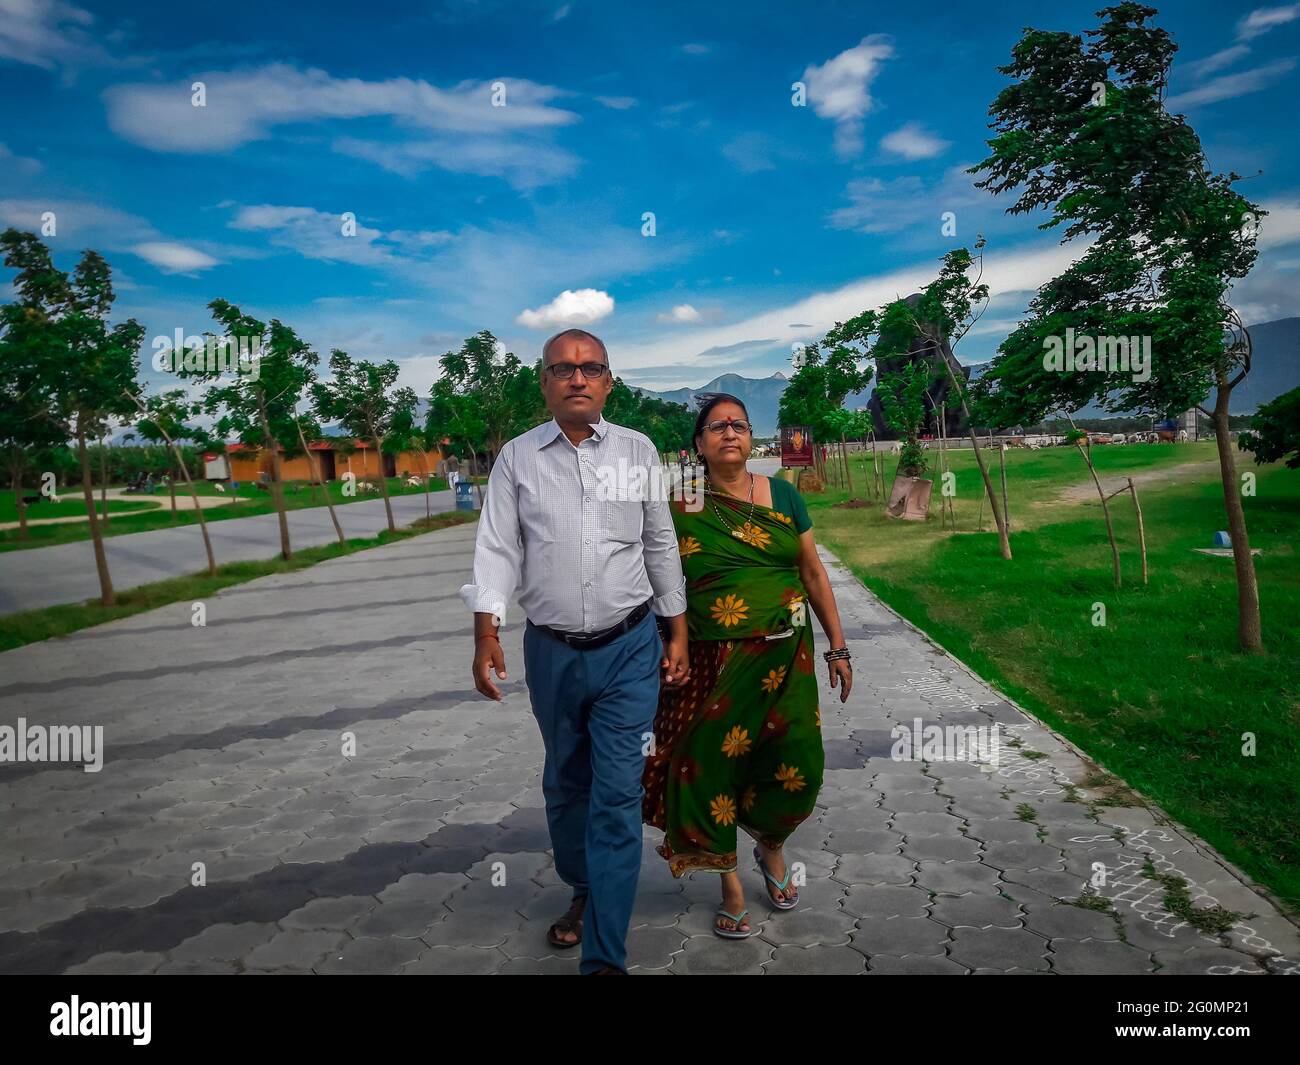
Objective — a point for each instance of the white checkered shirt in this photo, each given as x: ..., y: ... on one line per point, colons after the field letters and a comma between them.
x: 580, y: 558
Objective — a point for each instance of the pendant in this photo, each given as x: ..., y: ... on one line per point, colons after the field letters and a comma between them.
x: 737, y: 534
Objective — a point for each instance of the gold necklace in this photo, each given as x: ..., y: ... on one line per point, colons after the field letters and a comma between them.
x: 739, y: 534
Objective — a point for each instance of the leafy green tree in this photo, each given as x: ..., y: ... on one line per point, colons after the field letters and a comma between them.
x: 362, y: 399
x: 72, y: 367
x: 458, y: 417
x: 902, y: 399
x: 1084, y: 135
x: 165, y: 418
x: 260, y: 409
x: 1275, y: 431
x: 506, y: 394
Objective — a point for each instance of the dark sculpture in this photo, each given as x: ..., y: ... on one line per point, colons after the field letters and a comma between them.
x: 938, y: 391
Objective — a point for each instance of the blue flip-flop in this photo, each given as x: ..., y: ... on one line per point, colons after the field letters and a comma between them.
x: 780, y: 885
x: 731, y: 933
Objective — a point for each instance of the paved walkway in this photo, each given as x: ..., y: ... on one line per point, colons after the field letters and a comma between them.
x: 46, y: 576
x: 427, y: 850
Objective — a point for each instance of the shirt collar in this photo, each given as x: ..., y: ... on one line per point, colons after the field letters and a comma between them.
x: 554, y: 432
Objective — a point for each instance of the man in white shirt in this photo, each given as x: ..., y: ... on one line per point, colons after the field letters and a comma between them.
x: 594, y: 560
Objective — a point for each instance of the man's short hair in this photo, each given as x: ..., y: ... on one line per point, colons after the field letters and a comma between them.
x: 580, y: 334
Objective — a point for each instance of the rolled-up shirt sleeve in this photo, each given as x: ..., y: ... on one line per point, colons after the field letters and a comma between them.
x: 663, y: 563
x: 498, y: 545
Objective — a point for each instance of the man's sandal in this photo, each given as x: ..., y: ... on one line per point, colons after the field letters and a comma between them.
x: 571, y: 922
x: 781, y: 885
x: 732, y: 933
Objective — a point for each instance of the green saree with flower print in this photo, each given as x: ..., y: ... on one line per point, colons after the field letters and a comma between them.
x: 740, y: 744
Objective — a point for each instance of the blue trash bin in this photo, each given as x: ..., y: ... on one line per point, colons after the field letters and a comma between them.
x: 465, y: 496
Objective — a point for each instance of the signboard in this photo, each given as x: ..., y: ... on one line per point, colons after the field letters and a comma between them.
x: 796, y: 446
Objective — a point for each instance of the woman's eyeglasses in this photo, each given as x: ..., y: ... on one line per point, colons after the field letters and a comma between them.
x: 563, y: 371
x: 719, y: 427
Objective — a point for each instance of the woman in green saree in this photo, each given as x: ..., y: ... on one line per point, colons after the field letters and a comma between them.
x: 739, y: 745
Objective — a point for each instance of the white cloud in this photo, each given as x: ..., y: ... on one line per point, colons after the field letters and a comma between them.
x: 912, y: 141
x: 18, y: 162
x: 76, y: 222
x: 840, y: 89
x: 561, y: 12
x: 1232, y: 85
x: 315, y: 234
x: 245, y: 105
x: 583, y: 307
x: 1204, y: 67
x: 749, y: 153
x: 877, y: 206
x: 47, y: 34
x: 1263, y: 19
x: 174, y: 258
x: 1281, y: 225
x: 525, y: 163
x: 1013, y: 272
x: 682, y: 314
x: 696, y: 49
x: 616, y: 103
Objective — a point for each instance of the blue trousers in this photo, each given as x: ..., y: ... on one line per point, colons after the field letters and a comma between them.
x: 596, y: 710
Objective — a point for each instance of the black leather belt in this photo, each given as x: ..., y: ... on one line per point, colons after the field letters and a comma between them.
x: 586, y: 641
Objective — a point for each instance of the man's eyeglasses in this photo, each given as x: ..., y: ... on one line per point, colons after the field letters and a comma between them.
x: 563, y: 371
x: 719, y: 427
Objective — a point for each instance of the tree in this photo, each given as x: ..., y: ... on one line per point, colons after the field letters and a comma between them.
x: 457, y: 416
x: 507, y: 394
x: 360, y: 397
x: 164, y: 417
x: 1275, y: 431
x: 824, y: 376
x: 1084, y: 134
x: 72, y: 367
x: 902, y: 397
x: 260, y: 408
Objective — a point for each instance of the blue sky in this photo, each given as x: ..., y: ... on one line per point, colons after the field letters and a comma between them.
x: 771, y: 221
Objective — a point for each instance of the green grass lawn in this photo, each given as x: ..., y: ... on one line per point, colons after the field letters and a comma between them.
x: 71, y: 505
x: 154, y: 511
x: 34, y: 625
x: 1159, y: 695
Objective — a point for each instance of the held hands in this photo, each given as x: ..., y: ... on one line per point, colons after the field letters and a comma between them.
x: 676, y: 663
x: 487, y: 656
x: 841, y: 670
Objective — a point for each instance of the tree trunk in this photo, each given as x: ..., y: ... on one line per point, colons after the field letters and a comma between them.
x: 103, y: 479
x: 1105, y: 509
x: 106, y: 594
x: 383, y: 482
x: 1249, y: 629
x: 844, y: 453
x: 1003, y: 540
x: 16, y: 479
x: 1142, y: 531
x: 316, y: 471
x: 1002, y: 472
x: 171, y: 489
x: 277, y: 488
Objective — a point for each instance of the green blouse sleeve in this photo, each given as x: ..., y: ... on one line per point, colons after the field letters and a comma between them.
x: 786, y: 499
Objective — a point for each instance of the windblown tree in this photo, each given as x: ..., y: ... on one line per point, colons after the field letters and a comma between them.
x: 260, y: 408
x: 25, y: 435
x: 361, y: 398
x: 71, y: 367
x: 1083, y: 133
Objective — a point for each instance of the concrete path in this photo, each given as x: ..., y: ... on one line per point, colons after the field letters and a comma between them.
x: 46, y: 576
x: 426, y: 851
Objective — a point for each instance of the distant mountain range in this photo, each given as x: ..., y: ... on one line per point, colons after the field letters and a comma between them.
x: 1275, y: 368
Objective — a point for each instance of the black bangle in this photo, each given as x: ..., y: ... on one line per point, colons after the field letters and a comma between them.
x: 836, y: 654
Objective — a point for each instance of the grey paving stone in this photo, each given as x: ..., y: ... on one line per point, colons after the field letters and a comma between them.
x: 900, y: 936
x: 956, y: 878
x: 1204, y: 961
x: 371, y: 955
x: 815, y: 961
x: 294, y: 949
x: 223, y: 942
x: 875, y: 869
x: 998, y: 948
x: 914, y: 965
x: 653, y: 948
x: 1092, y: 957
x: 117, y: 964
x: 409, y: 920
x: 456, y: 961
x: 709, y: 954
x: 975, y: 911
x: 1072, y: 922
x: 941, y: 848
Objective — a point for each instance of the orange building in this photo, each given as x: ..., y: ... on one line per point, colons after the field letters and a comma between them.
x: 254, y: 463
